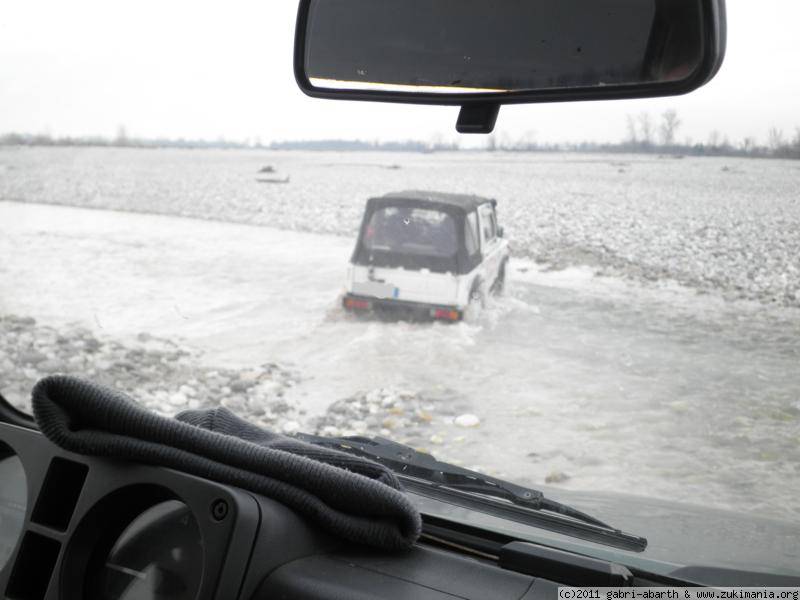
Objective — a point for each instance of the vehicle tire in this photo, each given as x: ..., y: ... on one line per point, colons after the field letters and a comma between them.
x: 477, y: 300
x: 500, y: 283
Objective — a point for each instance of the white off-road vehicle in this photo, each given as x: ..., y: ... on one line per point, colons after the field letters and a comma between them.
x: 426, y: 255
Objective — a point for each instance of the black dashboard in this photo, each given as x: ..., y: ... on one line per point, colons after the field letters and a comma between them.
x: 75, y: 527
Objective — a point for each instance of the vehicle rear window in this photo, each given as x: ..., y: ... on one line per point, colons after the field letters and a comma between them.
x: 417, y: 231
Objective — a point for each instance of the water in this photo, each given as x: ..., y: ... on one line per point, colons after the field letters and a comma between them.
x: 617, y: 382
x: 716, y: 224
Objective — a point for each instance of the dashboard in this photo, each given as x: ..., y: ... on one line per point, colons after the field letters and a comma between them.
x: 74, y: 527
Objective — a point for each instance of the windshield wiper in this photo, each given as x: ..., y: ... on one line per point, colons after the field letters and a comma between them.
x: 421, y: 472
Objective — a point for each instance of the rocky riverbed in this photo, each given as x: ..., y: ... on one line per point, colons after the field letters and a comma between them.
x: 167, y: 378
x: 159, y: 373
x: 721, y: 226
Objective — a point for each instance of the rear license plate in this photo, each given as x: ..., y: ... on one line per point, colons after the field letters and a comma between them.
x: 375, y: 289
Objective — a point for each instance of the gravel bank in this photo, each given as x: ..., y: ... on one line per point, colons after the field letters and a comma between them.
x: 167, y: 378
x: 160, y: 374
x: 431, y: 421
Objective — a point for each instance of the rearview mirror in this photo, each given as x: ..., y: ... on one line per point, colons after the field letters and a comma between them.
x: 480, y: 54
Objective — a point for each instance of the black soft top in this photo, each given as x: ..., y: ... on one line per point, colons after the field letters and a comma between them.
x: 458, y: 206
x: 414, y: 198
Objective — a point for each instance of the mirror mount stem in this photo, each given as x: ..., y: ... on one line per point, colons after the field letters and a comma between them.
x: 477, y: 118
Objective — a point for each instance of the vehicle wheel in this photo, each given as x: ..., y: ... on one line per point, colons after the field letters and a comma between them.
x: 477, y: 301
x: 500, y: 283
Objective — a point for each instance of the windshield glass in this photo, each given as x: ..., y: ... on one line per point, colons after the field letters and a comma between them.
x: 621, y: 330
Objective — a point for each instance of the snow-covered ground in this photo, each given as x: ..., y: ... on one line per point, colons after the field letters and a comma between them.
x: 578, y: 380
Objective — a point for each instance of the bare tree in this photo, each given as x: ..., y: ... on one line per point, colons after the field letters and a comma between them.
x: 748, y: 145
x: 646, y: 128
x: 713, y: 139
x: 669, y: 126
x: 775, y: 139
x: 796, y: 142
x: 527, y: 140
x: 631, y: 125
x: 122, y: 136
x: 436, y: 141
x: 504, y: 141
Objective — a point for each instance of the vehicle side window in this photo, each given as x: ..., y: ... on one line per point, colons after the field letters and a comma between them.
x: 471, y: 235
x: 488, y: 226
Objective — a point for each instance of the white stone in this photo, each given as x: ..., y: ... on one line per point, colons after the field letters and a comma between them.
x: 177, y: 399
x: 467, y: 421
x: 290, y: 427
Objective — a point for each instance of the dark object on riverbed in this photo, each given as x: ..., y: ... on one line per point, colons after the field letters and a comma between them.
x: 267, y: 169
x: 284, y: 180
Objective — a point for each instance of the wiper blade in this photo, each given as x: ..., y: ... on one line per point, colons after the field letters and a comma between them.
x: 423, y: 472
x: 406, y: 461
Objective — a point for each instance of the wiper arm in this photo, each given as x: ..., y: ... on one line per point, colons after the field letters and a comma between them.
x: 408, y: 462
x: 410, y: 465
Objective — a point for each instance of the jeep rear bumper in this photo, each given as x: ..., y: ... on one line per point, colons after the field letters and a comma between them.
x: 401, y: 309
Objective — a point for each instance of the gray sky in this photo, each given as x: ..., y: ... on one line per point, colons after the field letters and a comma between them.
x: 224, y: 69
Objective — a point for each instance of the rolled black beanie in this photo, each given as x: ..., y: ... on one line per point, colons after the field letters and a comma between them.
x: 348, y: 496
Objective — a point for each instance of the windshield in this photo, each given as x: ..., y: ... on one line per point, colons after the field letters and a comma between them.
x: 621, y: 329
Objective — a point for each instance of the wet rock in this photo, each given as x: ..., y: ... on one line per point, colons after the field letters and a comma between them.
x: 467, y: 421
x: 280, y: 407
x: 14, y: 323
x: 178, y: 399
x: 154, y: 371
x: 290, y: 427
x: 239, y: 386
x: 330, y: 431
x: 556, y: 477
x: 91, y: 344
x: 32, y: 357
x: 52, y: 366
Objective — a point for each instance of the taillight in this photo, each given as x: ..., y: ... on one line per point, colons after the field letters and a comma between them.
x: 356, y: 304
x: 446, y: 314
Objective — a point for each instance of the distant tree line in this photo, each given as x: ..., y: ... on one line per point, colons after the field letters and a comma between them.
x: 436, y: 145
x: 27, y: 139
x: 647, y: 135
x: 123, y: 141
x: 643, y: 134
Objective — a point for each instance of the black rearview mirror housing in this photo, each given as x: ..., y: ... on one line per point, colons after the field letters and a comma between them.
x: 481, y: 54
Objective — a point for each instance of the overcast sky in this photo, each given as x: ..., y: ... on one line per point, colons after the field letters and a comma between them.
x: 224, y: 69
